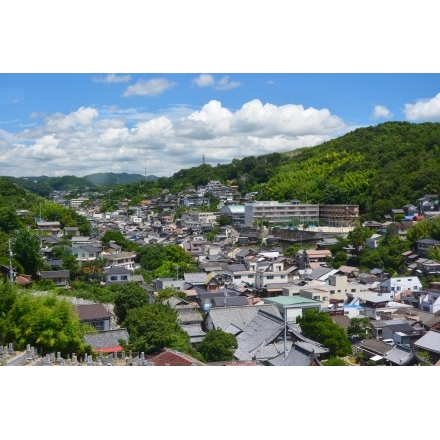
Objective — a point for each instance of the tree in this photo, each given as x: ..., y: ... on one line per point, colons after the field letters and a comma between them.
x: 9, y: 220
x: 320, y: 327
x: 359, y: 328
x: 26, y: 249
x: 154, y: 327
x: 168, y: 292
x: 46, y: 322
x: 128, y: 296
x: 217, y: 346
x: 8, y: 295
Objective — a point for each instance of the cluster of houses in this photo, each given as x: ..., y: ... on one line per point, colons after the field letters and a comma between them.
x: 255, y: 292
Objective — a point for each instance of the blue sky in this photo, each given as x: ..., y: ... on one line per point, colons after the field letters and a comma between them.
x: 314, y: 71
x: 77, y: 124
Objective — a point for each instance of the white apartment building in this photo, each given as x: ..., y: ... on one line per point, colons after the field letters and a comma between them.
x: 76, y: 203
x: 397, y: 285
x: 279, y: 213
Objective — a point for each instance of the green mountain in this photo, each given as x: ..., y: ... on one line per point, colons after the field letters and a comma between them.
x: 110, y: 179
x: 380, y: 167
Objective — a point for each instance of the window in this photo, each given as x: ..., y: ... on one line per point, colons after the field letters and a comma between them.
x: 270, y: 277
x: 353, y: 290
x: 324, y: 298
x: 415, y: 287
x: 113, y: 278
x: 124, y: 278
x: 237, y: 277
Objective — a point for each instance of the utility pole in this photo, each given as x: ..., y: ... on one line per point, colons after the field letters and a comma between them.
x: 11, y: 271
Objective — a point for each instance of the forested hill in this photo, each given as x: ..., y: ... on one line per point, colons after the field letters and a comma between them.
x: 380, y: 167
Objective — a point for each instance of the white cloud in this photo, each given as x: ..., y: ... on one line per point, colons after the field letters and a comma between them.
x: 424, y: 110
x: 112, y: 78
x: 151, y: 87
x: 204, y: 80
x: 88, y: 141
x: 380, y: 111
x: 82, y: 117
x: 207, y: 80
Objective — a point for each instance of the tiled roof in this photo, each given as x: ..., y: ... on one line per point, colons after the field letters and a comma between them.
x: 429, y: 341
x: 89, y: 312
x: 223, y: 317
x: 174, y: 358
x: 45, y: 274
x: 257, y: 338
x: 400, y: 355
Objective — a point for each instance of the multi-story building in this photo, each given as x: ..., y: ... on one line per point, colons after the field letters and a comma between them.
x: 279, y: 213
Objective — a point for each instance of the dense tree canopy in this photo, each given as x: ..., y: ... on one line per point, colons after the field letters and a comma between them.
x: 154, y: 327
x: 320, y: 327
x: 26, y: 250
x: 47, y: 323
x: 128, y: 296
x: 218, y: 345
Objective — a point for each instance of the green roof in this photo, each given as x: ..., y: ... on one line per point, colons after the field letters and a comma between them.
x: 290, y: 300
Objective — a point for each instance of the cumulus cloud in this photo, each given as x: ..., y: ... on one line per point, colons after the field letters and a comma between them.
x: 151, y: 87
x: 207, y: 80
x: 380, y: 111
x: 112, y: 78
x: 424, y: 110
x: 88, y: 141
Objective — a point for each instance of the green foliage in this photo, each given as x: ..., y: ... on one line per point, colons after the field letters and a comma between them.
x: 161, y: 261
x: 128, y: 296
x: 168, y: 292
x: 319, y: 327
x: 86, y: 290
x: 334, y: 361
x: 46, y: 322
x: 9, y: 220
x: 154, y: 327
x: 217, y: 346
x: 359, y: 328
x: 26, y: 249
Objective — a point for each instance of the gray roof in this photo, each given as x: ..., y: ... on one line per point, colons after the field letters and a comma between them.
x: 261, y: 331
x: 237, y: 267
x: 375, y: 346
x: 197, y: 277
x: 429, y: 341
x: 263, y: 339
x: 195, y: 332
x: 320, y: 271
x: 189, y: 315
x: 106, y: 339
x: 297, y: 356
x: 400, y: 355
x: 240, y: 317
x: 229, y: 301
x: 117, y: 270
x: 54, y: 274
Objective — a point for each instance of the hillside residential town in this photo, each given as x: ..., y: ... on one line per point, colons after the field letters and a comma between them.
x: 245, y: 284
